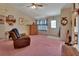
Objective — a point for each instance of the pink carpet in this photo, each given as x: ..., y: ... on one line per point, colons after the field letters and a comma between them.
x: 40, y: 46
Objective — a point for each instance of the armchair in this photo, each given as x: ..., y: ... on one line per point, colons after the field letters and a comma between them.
x: 19, y: 41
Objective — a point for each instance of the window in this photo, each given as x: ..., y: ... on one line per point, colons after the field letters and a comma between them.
x: 53, y: 23
x: 42, y: 24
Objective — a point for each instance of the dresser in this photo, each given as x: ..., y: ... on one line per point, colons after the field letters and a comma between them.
x: 33, y: 29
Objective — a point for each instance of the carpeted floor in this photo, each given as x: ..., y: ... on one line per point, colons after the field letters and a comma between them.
x: 40, y: 46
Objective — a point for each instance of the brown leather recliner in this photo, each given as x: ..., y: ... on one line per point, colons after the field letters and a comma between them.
x: 19, y: 41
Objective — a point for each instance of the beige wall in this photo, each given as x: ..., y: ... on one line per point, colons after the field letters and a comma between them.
x: 66, y: 12
x: 9, y: 10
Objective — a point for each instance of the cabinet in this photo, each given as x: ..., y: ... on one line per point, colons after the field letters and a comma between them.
x: 33, y: 29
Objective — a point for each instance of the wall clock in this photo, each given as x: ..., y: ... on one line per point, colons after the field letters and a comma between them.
x: 64, y: 21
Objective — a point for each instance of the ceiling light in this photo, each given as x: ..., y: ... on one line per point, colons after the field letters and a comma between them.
x: 33, y: 7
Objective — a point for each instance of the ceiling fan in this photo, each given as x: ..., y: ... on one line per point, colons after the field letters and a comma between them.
x: 35, y: 5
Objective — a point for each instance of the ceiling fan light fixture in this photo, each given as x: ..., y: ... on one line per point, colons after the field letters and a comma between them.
x: 33, y: 7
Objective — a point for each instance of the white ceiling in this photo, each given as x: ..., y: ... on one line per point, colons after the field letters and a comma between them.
x: 48, y: 9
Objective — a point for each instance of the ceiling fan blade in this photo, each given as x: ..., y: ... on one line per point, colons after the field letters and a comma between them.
x: 40, y: 5
x: 28, y: 6
x: 33, y: 4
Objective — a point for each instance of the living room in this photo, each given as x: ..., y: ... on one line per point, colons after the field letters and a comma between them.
x: 53, y: 20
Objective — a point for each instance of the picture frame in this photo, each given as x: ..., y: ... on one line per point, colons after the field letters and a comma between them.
x: 64, y: 21
x: 10, y: 19
x: 2, y: 19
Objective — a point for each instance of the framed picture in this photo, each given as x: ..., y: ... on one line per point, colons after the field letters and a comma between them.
x: 64, y: 21
x: 2, y: 19
x: 10, y: 19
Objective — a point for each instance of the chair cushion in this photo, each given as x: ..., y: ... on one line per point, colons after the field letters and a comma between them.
x: 15, y: 30
x: 13, y: 35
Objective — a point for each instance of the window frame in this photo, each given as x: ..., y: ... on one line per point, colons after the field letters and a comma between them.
x: 55, y: 24
x: 41, y: 23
